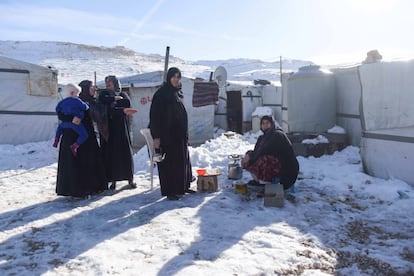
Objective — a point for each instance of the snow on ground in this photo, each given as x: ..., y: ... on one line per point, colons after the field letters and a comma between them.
x: 340, y: 221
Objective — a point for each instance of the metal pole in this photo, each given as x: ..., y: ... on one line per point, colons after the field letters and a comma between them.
x: 280, y: 68
x: 167, y: 56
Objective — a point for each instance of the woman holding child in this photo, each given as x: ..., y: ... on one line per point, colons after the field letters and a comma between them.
x: 82, y: 174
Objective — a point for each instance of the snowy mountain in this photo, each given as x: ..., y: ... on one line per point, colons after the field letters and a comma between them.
x: 253, y: 69
x: 76, y: 62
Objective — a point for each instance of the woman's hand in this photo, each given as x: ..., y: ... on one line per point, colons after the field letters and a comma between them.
x: 157, y: 143
x: 130, y: 111
x: 76, y: 120
x: 245, y: 161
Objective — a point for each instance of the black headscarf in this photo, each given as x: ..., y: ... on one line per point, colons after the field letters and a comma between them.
x: 267, y: 118
x: 171, y: 72
x: 97, y: 111
x: 115, y: 81
x: 84, y: 94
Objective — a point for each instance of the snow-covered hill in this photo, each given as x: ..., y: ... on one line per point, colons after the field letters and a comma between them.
x: 76, y: 62
x: 253, y: 69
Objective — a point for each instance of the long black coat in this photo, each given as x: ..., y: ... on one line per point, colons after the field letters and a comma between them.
x: 169, y: 123
x: 117, y: 150
x: 82, y: 175
x: 276, y: 143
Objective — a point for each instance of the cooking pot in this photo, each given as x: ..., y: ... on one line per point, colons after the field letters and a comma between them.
x: 234, y: 170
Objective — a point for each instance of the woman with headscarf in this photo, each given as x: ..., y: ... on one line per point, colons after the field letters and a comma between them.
x: 169, y: 129
x: 273, y: 156
x: 116, y: 143
x: 84, y: 174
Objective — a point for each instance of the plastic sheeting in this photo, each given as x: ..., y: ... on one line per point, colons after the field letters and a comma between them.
x: 150, y: 79
x: 39, y: 80
x: 387, y: 95
x: 348, y: 97
x: 27, y: 108
x: 25, y: 118
x: 389, y: 153
x: 272, y: 97
x: 387, y: 145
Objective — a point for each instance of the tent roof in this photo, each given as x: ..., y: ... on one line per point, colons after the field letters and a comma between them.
x: 9, y: 63
x: 149, y: 79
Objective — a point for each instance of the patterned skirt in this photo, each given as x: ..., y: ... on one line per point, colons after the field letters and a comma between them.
x: 265, y: 168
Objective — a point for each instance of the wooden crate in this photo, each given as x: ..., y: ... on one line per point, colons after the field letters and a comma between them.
x: 207, y: 183
x: 274, y: 195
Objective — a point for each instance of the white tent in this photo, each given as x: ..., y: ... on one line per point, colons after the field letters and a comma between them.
x: 387, y: 144
x: 27, y: 109
x: 374, y: 105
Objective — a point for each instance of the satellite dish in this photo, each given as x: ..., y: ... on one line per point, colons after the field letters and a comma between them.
x: 220, y: 75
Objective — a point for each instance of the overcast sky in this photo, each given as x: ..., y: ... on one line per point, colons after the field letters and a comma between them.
x: 324, y: 31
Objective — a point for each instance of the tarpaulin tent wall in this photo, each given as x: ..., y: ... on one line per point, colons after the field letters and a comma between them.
x: 387, y: 143
x: 348, y: 98
x: 239, y: 99
x: 27, y: 109
x: 37, y: 80
x: 284, y: 121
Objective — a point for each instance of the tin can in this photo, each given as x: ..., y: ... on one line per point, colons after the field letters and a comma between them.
x: 240, y: 188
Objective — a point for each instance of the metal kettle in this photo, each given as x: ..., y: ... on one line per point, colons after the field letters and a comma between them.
x: 234, y: 170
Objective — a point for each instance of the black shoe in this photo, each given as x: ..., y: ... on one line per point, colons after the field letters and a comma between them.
x: 260, y: 194
x: 254, y: 183
x: 99, y: 192
x: 189, y: 191
x: 113, y: 186
x: 173, y: 197
x: 132, y: 185
x: 291, y: 198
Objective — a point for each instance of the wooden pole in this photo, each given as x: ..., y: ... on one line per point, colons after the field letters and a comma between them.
x: 167, y: 56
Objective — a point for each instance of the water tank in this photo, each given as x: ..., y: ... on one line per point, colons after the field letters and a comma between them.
x: 311, y: 100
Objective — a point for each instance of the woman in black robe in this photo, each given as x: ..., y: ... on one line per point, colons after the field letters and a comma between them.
x: 273, y: 156
x: 84, y: 174
x: 169, y: 129
x: 116, y: 143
